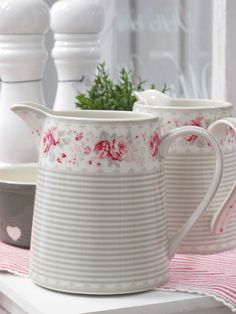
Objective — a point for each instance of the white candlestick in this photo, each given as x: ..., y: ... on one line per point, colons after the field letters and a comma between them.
x: 77, y: 25
x: 22, y: 60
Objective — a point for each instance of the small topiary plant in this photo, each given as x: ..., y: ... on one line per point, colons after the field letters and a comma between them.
x: 104, y: 94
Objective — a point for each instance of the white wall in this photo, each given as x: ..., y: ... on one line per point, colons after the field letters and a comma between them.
x: 161, y: 41
x: 50, y: 76
x: 224, y: 51
x: 231, y: 56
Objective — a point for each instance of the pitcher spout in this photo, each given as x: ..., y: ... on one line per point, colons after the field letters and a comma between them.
x: 152, y: 97
x: 34, y: 116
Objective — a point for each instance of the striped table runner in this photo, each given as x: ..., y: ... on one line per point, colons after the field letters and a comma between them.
x: 211, y: 275
x: 14, y: 260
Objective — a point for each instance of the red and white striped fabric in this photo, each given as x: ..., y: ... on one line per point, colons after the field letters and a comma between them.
x: 14, y: 260
x: 211, y: 275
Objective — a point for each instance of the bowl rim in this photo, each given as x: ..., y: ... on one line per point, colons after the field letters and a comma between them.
x: 16, y: 167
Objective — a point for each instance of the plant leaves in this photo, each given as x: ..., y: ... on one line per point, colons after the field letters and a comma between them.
x: 104, y: 94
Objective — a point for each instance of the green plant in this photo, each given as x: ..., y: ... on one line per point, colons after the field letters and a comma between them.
x: 104, y: 94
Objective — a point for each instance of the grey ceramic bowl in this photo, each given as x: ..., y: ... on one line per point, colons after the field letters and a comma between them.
x: 17, y: 192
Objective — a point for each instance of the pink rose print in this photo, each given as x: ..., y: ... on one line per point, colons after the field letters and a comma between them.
x: 79, y: 137
x: 114, y: 150
x: 154, y: 143
x: 102, y: 149
x: 177, y: 123
x: 49, y: 140
x: 118, y: 149
x: 195, y: 122
x: 230, y: 131
x: 87, y: 150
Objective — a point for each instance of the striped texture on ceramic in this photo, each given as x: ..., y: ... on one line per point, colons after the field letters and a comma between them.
x: 187, y: 179
x: 100, y: 234
x: 211, y: 275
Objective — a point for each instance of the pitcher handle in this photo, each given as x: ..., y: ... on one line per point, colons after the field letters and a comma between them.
x: 167, y: 140
x: 223, y: 214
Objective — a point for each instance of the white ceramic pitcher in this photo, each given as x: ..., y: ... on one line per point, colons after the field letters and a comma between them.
x: 187, y: 178
x: 99, y: 222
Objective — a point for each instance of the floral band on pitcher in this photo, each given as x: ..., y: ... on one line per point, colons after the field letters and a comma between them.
x: 92, y: 149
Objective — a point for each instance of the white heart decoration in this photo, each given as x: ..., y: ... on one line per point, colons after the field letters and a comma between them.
x: 14, y: 233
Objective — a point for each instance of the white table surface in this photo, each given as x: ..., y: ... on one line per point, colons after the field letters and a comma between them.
x: 20, y: 295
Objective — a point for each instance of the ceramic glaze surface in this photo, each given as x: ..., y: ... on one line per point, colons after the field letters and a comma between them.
x: 17, y: 192
x: 27, y: 17
x: 73, y: 17
x: 193, y: 176
x: 22, y: 60
x: 172, y: 117
x: 187, y: 178
x: 100, y: 200
x: 112, y: 232
x: 77, y: 26
x: 100, y: 147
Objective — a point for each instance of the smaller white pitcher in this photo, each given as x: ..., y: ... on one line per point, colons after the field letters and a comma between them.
x: 187, y: 177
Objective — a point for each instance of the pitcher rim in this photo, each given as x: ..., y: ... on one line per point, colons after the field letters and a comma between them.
x: 126, y: 116
x: 215, y: 104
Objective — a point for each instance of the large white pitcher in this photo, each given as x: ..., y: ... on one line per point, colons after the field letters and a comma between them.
x: 188, y: 176
x: 99, y: 223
